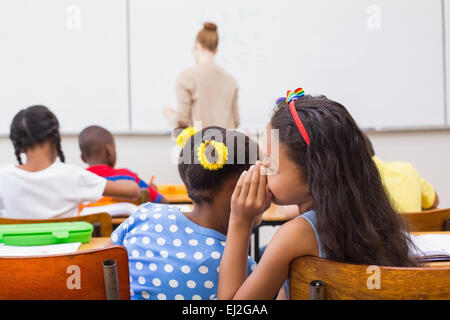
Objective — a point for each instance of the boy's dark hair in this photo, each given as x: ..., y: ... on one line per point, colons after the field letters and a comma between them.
x: 355, y: 219
x: 201, y: 183
x: 32, y: 126
x: 92, y: 139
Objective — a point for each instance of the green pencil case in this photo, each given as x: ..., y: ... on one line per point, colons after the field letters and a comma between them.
x: 38, y: 234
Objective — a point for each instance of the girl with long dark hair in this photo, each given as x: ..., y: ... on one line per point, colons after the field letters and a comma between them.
x: 324, y: 167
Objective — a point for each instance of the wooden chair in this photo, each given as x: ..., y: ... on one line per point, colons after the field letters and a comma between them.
x: 430, y: 220
x: 103, y: 219
x: 348, y: 281
x: 75, y: 276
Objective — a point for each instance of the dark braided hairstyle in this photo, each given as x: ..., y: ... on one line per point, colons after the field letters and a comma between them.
x: 32, y: 126
x: 201, y: 183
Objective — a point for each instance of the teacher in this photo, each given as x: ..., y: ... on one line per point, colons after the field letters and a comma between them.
x: 205, y: 92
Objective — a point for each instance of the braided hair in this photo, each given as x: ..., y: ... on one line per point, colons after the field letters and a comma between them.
x: 32, y: 126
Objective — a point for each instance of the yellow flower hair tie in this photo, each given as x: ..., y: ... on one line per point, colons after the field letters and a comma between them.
x: 221, y: 155
x: 184, y: 136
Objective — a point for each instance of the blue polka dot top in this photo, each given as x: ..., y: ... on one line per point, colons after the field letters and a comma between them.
x: 170, y: 256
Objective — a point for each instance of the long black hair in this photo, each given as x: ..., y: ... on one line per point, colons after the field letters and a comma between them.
x: 32, y: 126
x: 201, y: 183
x: 355, y: 219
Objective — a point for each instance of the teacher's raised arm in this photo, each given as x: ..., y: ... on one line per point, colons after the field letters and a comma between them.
x: 206, y: 93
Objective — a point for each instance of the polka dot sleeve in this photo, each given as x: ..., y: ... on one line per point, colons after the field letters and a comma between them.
x: 119, y: 234
x: 251, y: 265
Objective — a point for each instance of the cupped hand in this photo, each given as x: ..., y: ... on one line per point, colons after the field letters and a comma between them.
x: 251, y: 196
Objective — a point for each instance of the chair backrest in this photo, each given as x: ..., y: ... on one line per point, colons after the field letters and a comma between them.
x: 103, y: 219
x: 76, y: 276
x: 348, y: 281
x: 430, y: 220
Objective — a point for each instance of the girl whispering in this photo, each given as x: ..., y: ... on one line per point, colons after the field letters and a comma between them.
x: 324, y: 167
x: 175, y: 255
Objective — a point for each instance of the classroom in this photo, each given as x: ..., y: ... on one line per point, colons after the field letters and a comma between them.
x: 222, y: 150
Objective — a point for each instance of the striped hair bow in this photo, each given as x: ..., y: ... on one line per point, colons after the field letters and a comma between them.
x: 291, y: 96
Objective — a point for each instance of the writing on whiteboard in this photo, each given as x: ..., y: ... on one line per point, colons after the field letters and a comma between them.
x: 73, y: 20
x: 374, y: 19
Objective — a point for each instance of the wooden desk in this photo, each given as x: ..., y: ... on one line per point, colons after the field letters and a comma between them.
x: 177, y: 198
x: 274, y: 216
x: 116, y: 221
x: 281, y: 214
x: 174, y: 193
x: 95, y: 243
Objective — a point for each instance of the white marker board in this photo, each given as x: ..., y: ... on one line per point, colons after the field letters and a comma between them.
x: 115, y: 62
x: 70, y: 56
x: 382, y: 59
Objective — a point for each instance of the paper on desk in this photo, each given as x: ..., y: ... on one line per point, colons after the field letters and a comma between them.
x: 432, y: 244
x: 17, y: 251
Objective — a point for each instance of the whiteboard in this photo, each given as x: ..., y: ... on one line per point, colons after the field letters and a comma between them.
x: 382, y: 59
x: 115, y: 62
x: 70, y: 56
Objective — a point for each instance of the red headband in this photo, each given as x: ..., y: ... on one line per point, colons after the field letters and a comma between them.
x: 299, y: 122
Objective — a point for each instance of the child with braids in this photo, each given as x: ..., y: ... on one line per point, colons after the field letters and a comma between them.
x: 324, y: 167
x: 42, y: 187
x: 173, y: 254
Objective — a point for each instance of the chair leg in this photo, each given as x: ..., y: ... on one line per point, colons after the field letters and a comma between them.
x: 111, y: 280
x: 256, y: 243
x: 317, y: 290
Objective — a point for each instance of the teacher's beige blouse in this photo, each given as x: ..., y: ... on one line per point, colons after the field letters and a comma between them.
x: 207, y: 93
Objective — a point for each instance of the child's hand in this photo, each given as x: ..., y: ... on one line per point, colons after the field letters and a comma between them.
x: 154, y: 186
x: 251, y: 196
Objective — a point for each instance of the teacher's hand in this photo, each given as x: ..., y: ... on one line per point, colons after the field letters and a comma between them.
x: 168, y: 112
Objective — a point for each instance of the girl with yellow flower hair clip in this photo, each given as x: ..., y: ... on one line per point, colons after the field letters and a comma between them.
x: 191, y: 241
x: 211, y: 154
x: 209, y: 165
x: 220, y: 154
